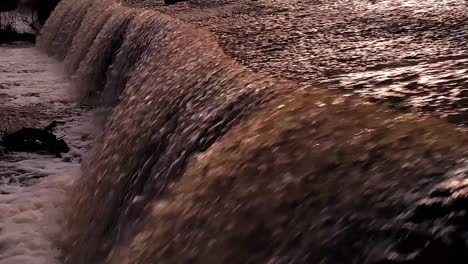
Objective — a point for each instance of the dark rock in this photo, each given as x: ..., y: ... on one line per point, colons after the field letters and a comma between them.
x: 35, y: 140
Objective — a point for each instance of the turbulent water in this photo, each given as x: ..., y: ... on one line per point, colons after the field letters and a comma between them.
x: 33, y: 92
x: 201, y: 160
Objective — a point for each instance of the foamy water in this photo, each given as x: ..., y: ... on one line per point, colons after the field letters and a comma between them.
x: 33, y: 186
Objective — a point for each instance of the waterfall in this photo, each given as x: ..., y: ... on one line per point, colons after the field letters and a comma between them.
x: 181, y: 89
x: 203, y: 161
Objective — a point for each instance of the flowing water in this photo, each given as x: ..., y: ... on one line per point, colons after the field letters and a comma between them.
x: 202, y: 160
x: 33, y: 93
x: 406, y: 54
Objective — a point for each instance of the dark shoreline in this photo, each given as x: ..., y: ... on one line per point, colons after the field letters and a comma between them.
x: 9, y: 36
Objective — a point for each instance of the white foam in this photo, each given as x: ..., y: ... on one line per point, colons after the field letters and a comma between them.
x: 25, y: 78
x: 33, y: 186
x: 30, y: 220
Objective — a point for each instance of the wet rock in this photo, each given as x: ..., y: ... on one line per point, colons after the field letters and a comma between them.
x: 35, y: 140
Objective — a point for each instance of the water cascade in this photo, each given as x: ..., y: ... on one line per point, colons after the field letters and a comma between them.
x: 203, y: 161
